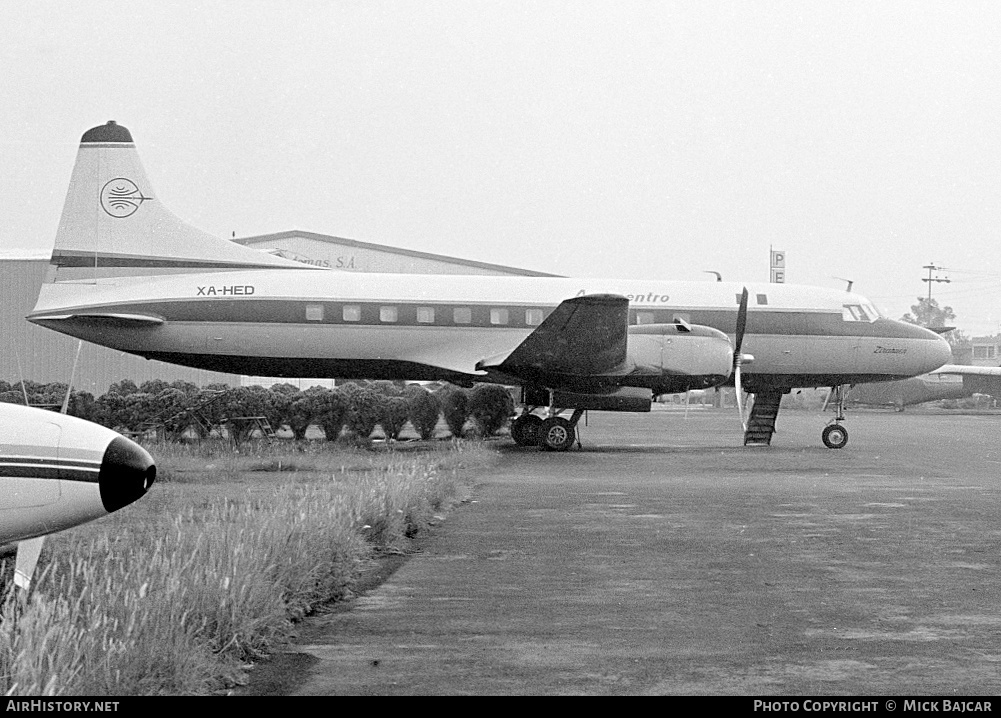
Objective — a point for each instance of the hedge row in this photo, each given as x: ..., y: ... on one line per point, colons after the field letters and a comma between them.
x: 177, y: 409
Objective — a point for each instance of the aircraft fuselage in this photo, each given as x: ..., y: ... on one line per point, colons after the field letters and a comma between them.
x: 305, y: 323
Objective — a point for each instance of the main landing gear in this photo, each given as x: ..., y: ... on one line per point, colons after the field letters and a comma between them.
x: 835, y: 436
x: 554, y: 433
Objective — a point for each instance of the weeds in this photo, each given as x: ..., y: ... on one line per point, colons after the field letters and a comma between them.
x: 177, y: 598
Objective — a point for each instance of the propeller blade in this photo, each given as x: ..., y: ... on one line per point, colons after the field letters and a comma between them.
x: 740, y: 397
x: 741, y: 324
x: 27, y: 556
x: 738, y: 341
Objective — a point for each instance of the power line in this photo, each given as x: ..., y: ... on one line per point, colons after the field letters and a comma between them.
x: 932, y: 268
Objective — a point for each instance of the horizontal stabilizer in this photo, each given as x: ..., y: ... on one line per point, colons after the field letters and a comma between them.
x: 584, y: 336
x: 110, y: 318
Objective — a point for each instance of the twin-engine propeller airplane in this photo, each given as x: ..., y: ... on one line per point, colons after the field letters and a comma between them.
x: 128, y: 274
x: 57, y: 472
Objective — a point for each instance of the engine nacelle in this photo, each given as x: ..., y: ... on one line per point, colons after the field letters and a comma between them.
x: 687, y: 356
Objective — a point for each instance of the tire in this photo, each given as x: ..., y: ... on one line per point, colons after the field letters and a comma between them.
x: 835, y: 436
x: 556, y: 434
x: 525, y: 430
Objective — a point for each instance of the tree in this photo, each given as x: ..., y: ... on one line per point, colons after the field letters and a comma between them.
x: 927, y: 313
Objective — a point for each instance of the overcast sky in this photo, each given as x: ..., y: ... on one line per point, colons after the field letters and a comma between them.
x: 621, y: 139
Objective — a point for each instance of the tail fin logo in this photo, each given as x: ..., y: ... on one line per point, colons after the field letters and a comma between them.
x: 121, y: 197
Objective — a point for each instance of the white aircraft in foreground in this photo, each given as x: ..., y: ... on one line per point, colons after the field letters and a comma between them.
x: 56, y: 472
x: 130, y: 275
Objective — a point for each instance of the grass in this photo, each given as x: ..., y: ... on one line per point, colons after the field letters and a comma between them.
x: 177, y: 593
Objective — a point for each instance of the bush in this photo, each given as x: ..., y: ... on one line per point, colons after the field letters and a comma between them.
x: 330, y: 410
x: 363, y: 410
x: 303, y: 410
x: 393, y: 411
x: 123, y: 387
x: 455, y: 408
x: 490, y: 406
x: 423, y: 410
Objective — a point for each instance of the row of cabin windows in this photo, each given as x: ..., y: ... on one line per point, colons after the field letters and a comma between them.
x: 425, y: 315
x: 499, y: 316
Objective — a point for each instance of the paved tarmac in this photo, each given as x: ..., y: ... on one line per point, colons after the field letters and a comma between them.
x: 665, y: 558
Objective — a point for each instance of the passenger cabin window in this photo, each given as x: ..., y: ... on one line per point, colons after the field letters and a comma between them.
x: 314, y: 312
x: 388, y: 314
x: 762, y: 299
x: 645, y: 318
x: 462, y: 315
x: 351, y: 313
x: 533, y: 317
x: 499, y: 316
x: 425, y: 315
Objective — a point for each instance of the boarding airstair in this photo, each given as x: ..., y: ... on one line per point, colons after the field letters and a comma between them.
x: 761, y: 424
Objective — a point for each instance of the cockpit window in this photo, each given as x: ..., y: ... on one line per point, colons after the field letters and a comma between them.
x: 872, y: 310
x: 863, y: 312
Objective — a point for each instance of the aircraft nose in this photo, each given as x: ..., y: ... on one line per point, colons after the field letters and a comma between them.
x: 938, y: 353
x: 127, y: 472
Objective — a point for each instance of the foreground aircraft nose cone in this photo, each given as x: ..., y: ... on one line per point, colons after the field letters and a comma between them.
x: 127, y: 472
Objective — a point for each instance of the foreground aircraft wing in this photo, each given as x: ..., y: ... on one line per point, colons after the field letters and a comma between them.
x: 964, y: 370
x: 976, y: 379
x: 584, y: 336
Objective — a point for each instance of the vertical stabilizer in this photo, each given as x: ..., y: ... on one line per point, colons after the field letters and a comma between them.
x: 114, y: 225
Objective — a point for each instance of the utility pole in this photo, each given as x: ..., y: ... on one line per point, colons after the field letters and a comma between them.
x: 932, y: 268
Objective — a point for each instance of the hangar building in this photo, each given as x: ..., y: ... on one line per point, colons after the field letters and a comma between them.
x: 44, y: 356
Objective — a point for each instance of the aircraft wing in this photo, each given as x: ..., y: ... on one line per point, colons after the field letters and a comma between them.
x: 976, y: 379
x: 964, y: 370
x: 584, y: 336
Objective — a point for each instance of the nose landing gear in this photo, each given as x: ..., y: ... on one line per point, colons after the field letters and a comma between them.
x: 835, y: 436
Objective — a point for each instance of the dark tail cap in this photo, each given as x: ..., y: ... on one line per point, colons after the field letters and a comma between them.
x: 127, y: 472
x: 111, y: 132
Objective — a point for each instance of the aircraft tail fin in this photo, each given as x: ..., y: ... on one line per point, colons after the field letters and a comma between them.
x: 113, y: 224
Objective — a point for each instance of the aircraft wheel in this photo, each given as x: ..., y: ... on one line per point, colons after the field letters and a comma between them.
x: 525, y: 430
x: 835, y: 436
x: 556, y: 434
